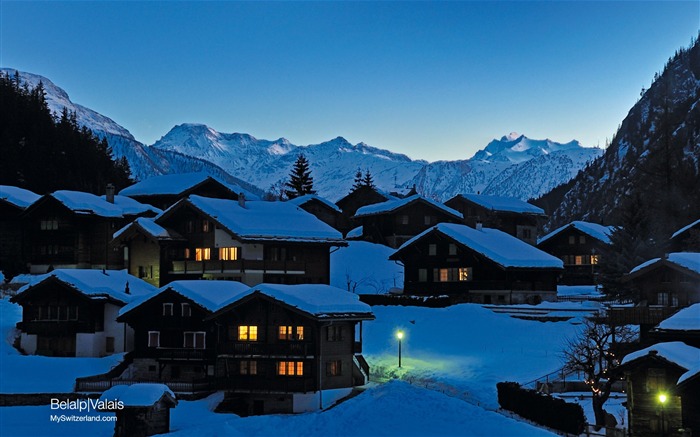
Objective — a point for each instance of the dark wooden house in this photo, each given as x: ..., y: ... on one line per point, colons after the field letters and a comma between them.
x: 480, y: 265
x: 13, y: 202
x: 508, y: 214
x: 72, y: 229
x: 324, y: 210
x: 394, y: 222
x: 657, y: 405
x: 359, y: 197
x: 164, y: 191
x: 246, y: 241
x: 145, y: 409
x: 682, y: 326
x: 73, y: 312
x: 686, y: 239
x: 581, y: 245
x: 172, y: 340
x: 281, y: 347
x: 671, y: 281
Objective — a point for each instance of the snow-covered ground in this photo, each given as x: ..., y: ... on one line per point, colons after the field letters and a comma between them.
x: 364, y: 268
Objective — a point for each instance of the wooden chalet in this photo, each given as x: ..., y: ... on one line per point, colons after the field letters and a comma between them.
x: 359, y: 197
x: 682, y: 326
x: 508, y: 214
x: 73, y: 312
x: 394, y: 222
x: 145, y: 409
x: 164, y: 191
x: 480, y: 265
x: 581, y: 245
x: 324, y: 210
x: 281, y: 346
x: 663, y: 390
x: 245, y: 241
x: 72, y: 229
x: 13, y: 202
x: 172, y: 340
x: 686, y: 239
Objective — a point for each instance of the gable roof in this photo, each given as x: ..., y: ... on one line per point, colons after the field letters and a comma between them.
x: 364, y: 188
x: 687, y: 319
x: 502, y: 203
x: 178, y: 184
x: 394, y: 205
x: 599, y: 232
x: 498, y: 246
x: 260, y: 220
x: 95, y: 284
x: 209, y: 295
x: 686, y: 261
x: 685, y: 228
x: 317, y: 300
x: 130, y: 206
x: 86, y: 203
x: 149, y: 227
x: 140, y: 395
x: 675, y: 352
x: 18, y: 197
x: 301, y: 200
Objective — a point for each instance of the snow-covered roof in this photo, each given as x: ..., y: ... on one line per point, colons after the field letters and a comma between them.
x: 260, y: 220
x: 355, y: 233
x: 138, y: 395
x: 692, y: 372
x: 578, y: 290
x: 686, y: 228
x: 175, y: 184
x: 393, y: 205
x: 499, y: 247
x: 319, y: 300
x: 686, y: 260
x: 503, y: 203
x: 149, y: 227
x: 599, y: 232
x: 675, y: 352
x: 130, y: 206
x: 86, y: 203
x: 19, y: 197
x: 687, y: 319
x: 209, y: 295
x: 97, y: 284
x: 298, y: 201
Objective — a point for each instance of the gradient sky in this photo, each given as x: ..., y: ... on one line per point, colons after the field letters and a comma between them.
x: 432, y: 80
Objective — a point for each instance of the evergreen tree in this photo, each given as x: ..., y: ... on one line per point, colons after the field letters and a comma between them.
x: 300, y: 180
x: 357, y: 183
x: 368, y: 181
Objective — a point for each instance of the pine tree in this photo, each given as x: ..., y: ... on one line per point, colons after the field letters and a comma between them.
x: 357, y: 183
x: 368, y: 181
x: 300, y: 180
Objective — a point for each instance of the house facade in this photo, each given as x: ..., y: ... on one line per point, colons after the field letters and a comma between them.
x: 581, y: 246
x: 356, y: 199
x: 671, y: 281
x: 13, y: 202
x: 477, y: 265
x: 323, y: 209
x: 73, y: 312
x: 508, y: 214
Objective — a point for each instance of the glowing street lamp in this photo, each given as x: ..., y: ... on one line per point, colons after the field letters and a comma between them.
x: 399, y: 335
x: 662, y: 400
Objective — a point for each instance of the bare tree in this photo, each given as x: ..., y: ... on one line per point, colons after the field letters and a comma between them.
x: 596, y: 353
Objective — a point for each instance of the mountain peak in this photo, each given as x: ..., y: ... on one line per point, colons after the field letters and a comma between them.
x: 513, y: 136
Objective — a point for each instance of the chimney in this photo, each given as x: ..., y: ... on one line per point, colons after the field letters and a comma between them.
x: 126, y: 289
x: 241, y: 200
x: 110, y: 193
x: 479, y: 226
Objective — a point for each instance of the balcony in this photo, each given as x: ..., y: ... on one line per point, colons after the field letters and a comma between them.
x: 293, y: 349
x: 647, y: 315
x: 56, y: 327
x: 184, y: 354
x: 284, y: 384
x: 238, y: 266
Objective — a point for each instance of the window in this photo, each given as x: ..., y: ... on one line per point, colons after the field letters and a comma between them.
x: 572, y: 239
x: 403, y: 219
x: 452, y: 274
x: 662, y: 298
x: 188, y: 253
x: 248, y: 333
x: 49, y: 224
x: 290, y: 368
x: 109, y: 345
x: 334, y: 368
x: 300, y: 332
x: 432, y: 249
x: 526, y: 233
x: 334, y: 333
x: 582, y: 239
x: 186, y: 310
x: 206, y: 226
x: 194, y: 340
x: 465, y: 273
x: 452, y: 250
x: 422, y: 275
x: 290, y: 333
x: 248, y: 367
x: 168, y: 309
x: 578, y: 260
x: 189, y: 227
x: 595, y: 259
x: 429, y: 219
x: 202, y: 254
x: 443, y: 275
x: 153, y: 338
x: 656, y: 379
x: 228, y: 253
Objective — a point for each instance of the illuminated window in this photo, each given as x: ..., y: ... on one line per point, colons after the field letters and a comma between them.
x: 228, y: 253
x: 285, y: 333
x: 300, y: 332
x: 248, y: 333
x: 194, y: 340
x: 432, y: 249
x: 452, y: 274
x: 153, y: 339
x: 206, y: 226
x: 248, y: 367
x: 186, y: 310
x: 290, y: 368
x: 444, y: 275
x: 167, y: 309
x: 202, y: 254
x: 334, y: 368
x: 595, y: 259
x: 188, y: 253
x: 578, y: 260
x: 465, y: 273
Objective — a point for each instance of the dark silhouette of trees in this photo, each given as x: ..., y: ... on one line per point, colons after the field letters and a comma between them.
x: 300, y: 180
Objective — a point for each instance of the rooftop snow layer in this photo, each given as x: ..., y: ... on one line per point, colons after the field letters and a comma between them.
x: 98, y: 283
x: 595, y: 230
x: 86, y: 203
x: 680, y: 231
x: 688, y: 260
x: 130, y: 206
x: 175, y: 184
x: 502, y: 203
x: 137, y: 395
x: 316, y: 299
x: 267, y: 220
x: 149, y: 226
x: 501, y: 248
x: 689, y: 374
x: 676, y: 352
x: 298, y: 201
x: 19, y: 197
x: 210, y: 295
x: 392, y: 205
x: 687, y: 319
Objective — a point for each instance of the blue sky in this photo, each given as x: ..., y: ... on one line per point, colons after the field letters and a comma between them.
x: 434, y: 80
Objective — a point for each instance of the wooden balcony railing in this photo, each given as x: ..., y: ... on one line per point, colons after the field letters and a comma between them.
x: 640, y: 315
x: 238, y: 266
x: 296, y: 349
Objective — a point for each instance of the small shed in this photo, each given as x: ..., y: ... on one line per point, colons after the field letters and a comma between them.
x: 143, y: 409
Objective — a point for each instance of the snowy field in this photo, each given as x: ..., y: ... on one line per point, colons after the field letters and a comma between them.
x: 458, y: 353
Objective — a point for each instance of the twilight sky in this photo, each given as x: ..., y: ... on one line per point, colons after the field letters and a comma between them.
x: 434, y: 80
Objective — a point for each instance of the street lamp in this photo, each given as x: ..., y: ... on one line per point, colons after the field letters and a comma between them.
x: 662, y: 400
x: 399, y: 335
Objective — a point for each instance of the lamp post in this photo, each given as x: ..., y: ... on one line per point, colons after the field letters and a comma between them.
x: 662, y: 400
x: 399, y: 335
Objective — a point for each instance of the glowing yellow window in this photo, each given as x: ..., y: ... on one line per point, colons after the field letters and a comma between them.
x: 594, y: 259
x: 285, y: 333
x: 465, y: 274
x: 228, y: 253
x: 202, y: 254
x: 300, y: 332
x: 248, y: 333
x: 443, y: 275
x: 290, y: 368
